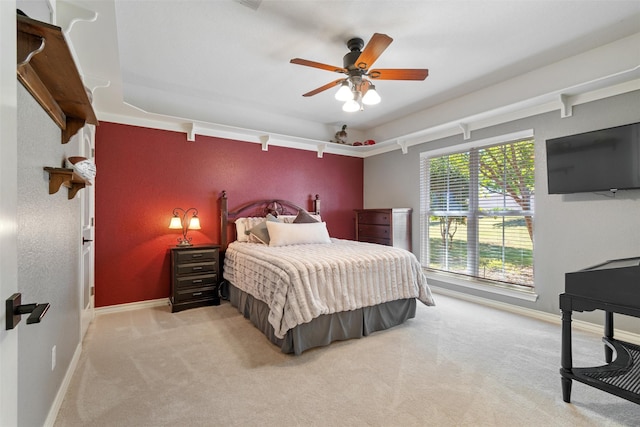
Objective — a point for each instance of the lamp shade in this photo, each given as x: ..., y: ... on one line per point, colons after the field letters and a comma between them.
x: 371, y: 97
x: 194, y: 224
x: 344, y: 93
x: 351, y: 106
x: 175, y: 223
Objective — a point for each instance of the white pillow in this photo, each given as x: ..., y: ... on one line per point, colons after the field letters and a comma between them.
x: 245, y: 224
x: 282, y: 234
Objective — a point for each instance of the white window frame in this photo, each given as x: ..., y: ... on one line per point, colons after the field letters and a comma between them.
x: 457, y: 279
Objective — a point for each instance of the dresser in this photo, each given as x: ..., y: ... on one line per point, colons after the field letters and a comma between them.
x: 195, y: 276
x: 391, y: 227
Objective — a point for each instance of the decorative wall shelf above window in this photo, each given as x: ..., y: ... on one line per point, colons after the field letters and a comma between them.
x: 63, y: 176
x: 47, y: 70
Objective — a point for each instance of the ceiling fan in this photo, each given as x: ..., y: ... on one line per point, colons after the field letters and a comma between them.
x: 356, y: 89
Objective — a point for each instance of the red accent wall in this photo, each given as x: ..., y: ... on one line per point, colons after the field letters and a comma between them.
x: 143, y: 174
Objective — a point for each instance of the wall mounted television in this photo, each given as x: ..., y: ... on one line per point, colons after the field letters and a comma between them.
x: 601, y: 160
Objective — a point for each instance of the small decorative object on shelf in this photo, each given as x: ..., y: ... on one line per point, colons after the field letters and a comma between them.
x: 82, y: 166
x: 182, y: 222
x: 341, y: 135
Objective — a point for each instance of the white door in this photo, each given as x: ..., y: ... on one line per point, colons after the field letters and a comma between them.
x: 87, y: 260
x: 8, y: 212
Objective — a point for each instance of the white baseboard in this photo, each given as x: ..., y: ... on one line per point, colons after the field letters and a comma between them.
x: 132, y: 306
x: 536, y: 314
x: 62, y: 391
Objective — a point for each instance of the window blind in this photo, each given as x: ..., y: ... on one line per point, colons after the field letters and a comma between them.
x: 477, y: 211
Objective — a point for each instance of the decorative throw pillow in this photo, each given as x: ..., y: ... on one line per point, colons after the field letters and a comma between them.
x: 304, y: 217
x: 259, y: 233
x: 282, y: 234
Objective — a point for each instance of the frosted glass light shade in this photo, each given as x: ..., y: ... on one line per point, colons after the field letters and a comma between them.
x: 344, y: 93
x: 371, y: 97
x: 351, y: 106
x: 175, y: 223
x: 194, y: 224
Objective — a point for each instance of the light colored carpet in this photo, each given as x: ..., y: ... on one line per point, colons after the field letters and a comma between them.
x: 456, y: 364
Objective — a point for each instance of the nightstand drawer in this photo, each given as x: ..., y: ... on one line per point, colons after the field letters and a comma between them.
x: 195, y: 268
x: 196, y: 281
x: 196, y: 256
x: 377, y: 231
x: 195, y: 294
x: 373, y: 217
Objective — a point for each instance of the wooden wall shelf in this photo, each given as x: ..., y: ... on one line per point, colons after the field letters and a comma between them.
x: 47, y: 70
x: 67, y: 177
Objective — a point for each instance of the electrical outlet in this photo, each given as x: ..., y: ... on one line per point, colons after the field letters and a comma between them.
x: 53, y: 357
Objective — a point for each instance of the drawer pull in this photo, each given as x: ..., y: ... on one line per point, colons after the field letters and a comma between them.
x: 197, y: 281
x: 196, y: 294
x: 197, y: 268
x: 197, y: 255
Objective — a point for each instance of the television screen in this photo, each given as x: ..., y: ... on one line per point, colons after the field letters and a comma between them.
x: 602, y: 160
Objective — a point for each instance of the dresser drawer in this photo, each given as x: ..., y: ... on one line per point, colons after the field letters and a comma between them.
x: 195, y: 268
x: 196, y: 281
x: 382, y: 218
x: 195, y: 294
x: 196, y: 256
x: 377, y: 231
x: 378, y: 240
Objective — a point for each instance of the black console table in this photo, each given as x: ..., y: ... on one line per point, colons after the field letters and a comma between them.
x: 614, y: 287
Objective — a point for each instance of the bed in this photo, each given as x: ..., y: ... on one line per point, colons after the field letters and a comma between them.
x: 303, y: 289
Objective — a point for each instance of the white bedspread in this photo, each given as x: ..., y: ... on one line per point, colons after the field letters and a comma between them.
x: 302, y: 282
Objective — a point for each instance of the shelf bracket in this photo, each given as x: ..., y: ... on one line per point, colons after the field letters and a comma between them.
x: 264, y: 140
x: 191, y: 132
x: 321, y: 148
x: 466, y: 133
x: 403, y: 146
x: 59, y: 177
x: 566, y: 109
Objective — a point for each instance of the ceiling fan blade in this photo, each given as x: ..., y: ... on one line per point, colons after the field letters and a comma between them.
x: 325, y: 87
x: 398, y: 74
x: 373, y: 49
x: 314, y: 64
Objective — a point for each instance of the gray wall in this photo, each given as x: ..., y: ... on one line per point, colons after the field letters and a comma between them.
x: 571, y: 231
x: 48, y: 256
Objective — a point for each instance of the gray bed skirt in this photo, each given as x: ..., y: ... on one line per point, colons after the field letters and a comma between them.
x: 327, y: 328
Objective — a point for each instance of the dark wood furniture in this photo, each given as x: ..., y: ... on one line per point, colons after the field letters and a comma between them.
x: 47, y: 69
x: 195, y: 276
x: 613, y: 287
x: 391, y: 227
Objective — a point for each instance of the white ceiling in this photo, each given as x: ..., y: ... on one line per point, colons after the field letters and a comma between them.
x: 221, y: 62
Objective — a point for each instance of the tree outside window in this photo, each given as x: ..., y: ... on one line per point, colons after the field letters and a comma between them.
x: 480, y: 210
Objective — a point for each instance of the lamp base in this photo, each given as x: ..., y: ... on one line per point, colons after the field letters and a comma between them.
x: 184, y: 242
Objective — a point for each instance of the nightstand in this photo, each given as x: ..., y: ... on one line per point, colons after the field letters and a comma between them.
x: 195, y: 276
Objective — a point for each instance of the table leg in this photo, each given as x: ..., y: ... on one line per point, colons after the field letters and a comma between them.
x: 566, y: 357
x: 608, y: 332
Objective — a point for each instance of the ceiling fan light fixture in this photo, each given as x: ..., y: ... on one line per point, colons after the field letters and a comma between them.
x: 344, y: 93
x: 371, y: 97
x: 351, y: 106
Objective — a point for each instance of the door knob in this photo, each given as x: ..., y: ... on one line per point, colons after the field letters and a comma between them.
x: 15, y: 310
x: 86, y: 240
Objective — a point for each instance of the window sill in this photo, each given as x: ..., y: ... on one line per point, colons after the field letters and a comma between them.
x: 484, y: 287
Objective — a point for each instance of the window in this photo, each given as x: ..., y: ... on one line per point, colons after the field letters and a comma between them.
x: 477, y: 211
